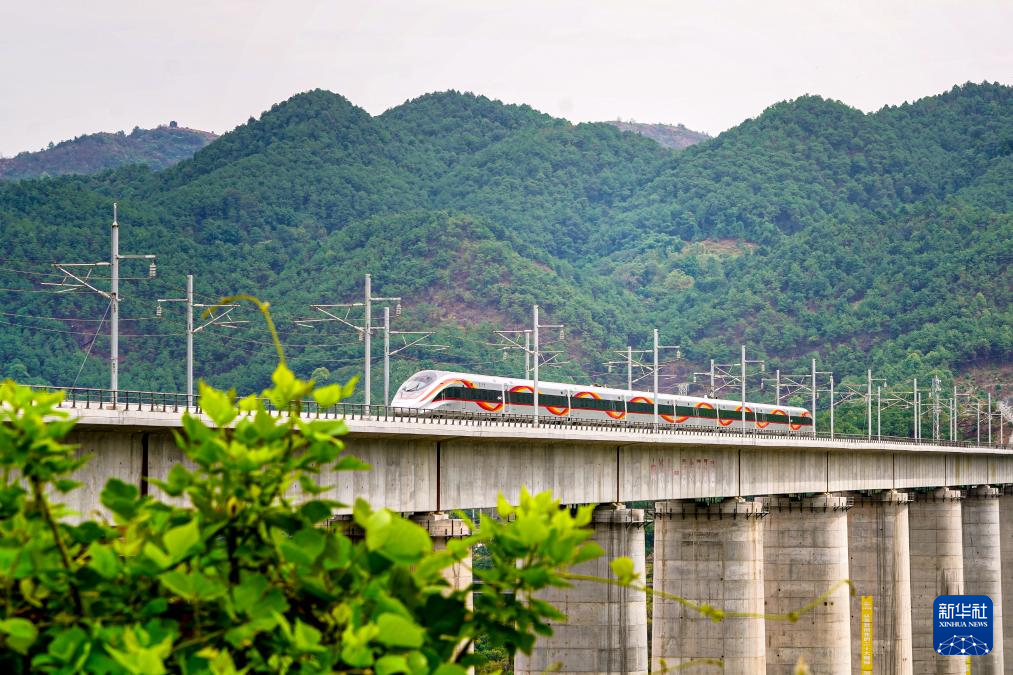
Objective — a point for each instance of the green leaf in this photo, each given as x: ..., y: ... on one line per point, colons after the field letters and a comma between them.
x: 417, y: 662
x: 450, y: 669
x: 65, y: 485
x: 406, y: 542
x: 120, y: 498
x: 391, y: 664
x: 307, y: 638
x: 217, y: 405
x: 349, y: 388
x: 154, y: 607
x: 156, y: 555
x: 503, y: 507
x: 327, y: 396
x: 349, y: 463
x: 530, y: 529
x: 589, y: 551
x: 249, y: 403
x: 397, y: 631
x: 624, y: 570
x: 179, y: 583
x: 192, y: 586
x: 248, y: 592
x: 358, y: 656
x: 104, y: 561
x: 21, y: 634
x: 64, y: 646
x: 179, y: 477
x: 315, y: 511
x: 377, y: 527
x: 179, y: 540
x: 139, y: 662
x: 304, y: 547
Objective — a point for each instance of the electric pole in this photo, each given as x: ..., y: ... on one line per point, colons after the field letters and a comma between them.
x: 512, y: 341
x: 869, y: 381
x: 989, y: 418
x: 629, y: 361
x: 409, y: 338
x: 879, y: 412
x: 112, y: 295
x: 221, y: 319
x: 533, y: 351
x: 763, y: 365
x: 653, y: 369
x: 365, y: 331
x: 657, y: 369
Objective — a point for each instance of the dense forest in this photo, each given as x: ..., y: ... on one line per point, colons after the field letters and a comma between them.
x: 158, y: 148
x: 815, y: 230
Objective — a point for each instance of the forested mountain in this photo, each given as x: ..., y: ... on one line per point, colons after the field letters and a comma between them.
x: 867, y: 240
x: 158, y: 148
x: 675, y: 136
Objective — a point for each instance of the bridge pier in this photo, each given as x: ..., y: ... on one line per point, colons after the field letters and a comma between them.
x: 937, y: 568
x: 983, y: 565
x: 805, y: 551
x: 1006, y: 555
x: 111, y: 454
x: 606, y: 626
x: 442, y: 528
x: 879, y: 560
x: 713, y: 554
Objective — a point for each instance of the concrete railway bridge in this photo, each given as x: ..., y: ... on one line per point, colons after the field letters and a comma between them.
x: 748, y: 523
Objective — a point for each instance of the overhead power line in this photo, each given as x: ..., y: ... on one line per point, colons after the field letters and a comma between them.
x: 69, y: 318
x: 43, y: 329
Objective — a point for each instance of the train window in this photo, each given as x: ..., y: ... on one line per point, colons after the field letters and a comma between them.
x: 420, y: 380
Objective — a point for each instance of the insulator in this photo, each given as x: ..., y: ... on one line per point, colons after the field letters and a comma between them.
x: 562, y: 335
x: 152, y: 270
x: 397, y: 309
x: 504, y: 355
x: 158, y: 310
x: 362, y: 336
x: 610, y: 367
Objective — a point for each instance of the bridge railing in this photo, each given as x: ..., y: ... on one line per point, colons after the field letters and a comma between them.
x: 84, y: 398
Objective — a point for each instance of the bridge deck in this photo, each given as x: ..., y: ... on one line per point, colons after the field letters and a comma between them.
x: 428, y: 464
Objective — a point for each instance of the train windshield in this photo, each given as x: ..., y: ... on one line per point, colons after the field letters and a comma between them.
x: 418, y: 382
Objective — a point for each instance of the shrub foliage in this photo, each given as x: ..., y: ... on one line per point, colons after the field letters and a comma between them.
x: 235, y: 568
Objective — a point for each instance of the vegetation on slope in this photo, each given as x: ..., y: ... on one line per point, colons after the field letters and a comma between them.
x: 870, y: 240
x: 158, y: 148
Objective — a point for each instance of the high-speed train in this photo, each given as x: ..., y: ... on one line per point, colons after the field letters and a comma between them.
x: 451, y: 392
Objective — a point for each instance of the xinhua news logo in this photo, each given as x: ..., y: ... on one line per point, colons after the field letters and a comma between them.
x: 962, y: 625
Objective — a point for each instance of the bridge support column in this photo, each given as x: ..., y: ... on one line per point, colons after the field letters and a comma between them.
x: 879, y: 560
x: 111, y: 455
x: 606, y: 626
x: 713, y: 554
x: 441, y: 529
x: 1006, y: 554
x: 805, y: 547
x: 937, y: 568
x: 983, y: 565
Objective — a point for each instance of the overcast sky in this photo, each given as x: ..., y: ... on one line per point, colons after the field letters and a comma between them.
x: 69, y: 68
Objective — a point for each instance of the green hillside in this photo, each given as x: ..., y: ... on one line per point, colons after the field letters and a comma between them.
x: 158, y: 148
x: 814, y: 229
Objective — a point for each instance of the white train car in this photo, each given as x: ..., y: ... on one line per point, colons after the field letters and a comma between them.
x: 439, y: 390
